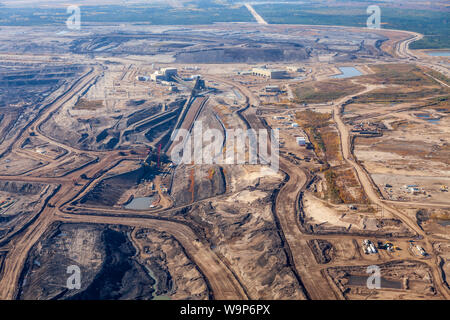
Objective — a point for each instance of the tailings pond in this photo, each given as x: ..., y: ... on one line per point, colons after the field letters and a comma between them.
x: 348, y: 72
x: 140, y: 203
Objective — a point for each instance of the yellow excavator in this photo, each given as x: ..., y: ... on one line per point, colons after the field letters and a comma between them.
x: 390, y: 247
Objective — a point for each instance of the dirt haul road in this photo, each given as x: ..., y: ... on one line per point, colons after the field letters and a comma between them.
x: 21, y: 244
x: 305, y: 263
x: 402, y: 51
x: 286, y: 211
x: 222, y: 281
x: 369, y: 188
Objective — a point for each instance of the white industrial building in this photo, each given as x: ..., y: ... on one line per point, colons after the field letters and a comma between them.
x: 269, y: 73
x: 272, y: 89
x: 169, y: 72
x: 165, y: 74
x: 142, y: 78
x: 157, y: 76
x: 301, y: 141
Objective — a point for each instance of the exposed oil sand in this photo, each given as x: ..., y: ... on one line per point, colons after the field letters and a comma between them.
x: 104, y: 256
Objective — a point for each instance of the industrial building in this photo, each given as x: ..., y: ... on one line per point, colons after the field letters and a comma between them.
x: 369, y: 247
x: 142, y: 78
x: 157, y: 76
x: 272, y: 89
x: 269, y: 73
x: 165, y: 74
x: 301, y: 141
x: 294, y: 69
x: 421, y: 251
x: 169, y: 72
x: 414, y: 190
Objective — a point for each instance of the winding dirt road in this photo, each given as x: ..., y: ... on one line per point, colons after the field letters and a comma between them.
x: 222, y: 281
x: 370, y: 189
x: 220, y: 277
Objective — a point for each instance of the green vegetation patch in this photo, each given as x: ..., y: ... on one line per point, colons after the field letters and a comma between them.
x: 324, y: 139
x: 438, y: 76
x: 400, y: 74
x: 309, y: 118
x: 151, y: 13
x: 325, y: 91
x: 332, y: 188
x: 440, y: 104
x: 406, y: 82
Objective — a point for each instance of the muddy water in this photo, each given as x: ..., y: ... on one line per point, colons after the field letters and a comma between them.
x: 155, y: 296
x: 428, y: 118
x: 444, y: 223
x: 385, y: 284
x: 140, y: 203
x: 439, y: 53
x: 348, y: 72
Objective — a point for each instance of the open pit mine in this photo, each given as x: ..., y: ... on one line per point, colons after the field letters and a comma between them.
x: 92, y: 122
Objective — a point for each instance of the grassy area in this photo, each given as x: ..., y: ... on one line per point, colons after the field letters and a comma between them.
x: 84, y: 104
x: 440, y: 104
x: 332, y: 143
x: 324, y: 91
x: 324, y: 138
x: 314, y: 123
x: 308, y: 119
x: 332, y: 188
x: 399, y: 74
x: 326, y: 142
x: 394, y: 95
x: 406, y: 83
x: 438, y: 75
x: 342, y: 185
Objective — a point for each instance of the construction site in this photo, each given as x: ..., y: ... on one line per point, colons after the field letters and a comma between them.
x: 88, y: 177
